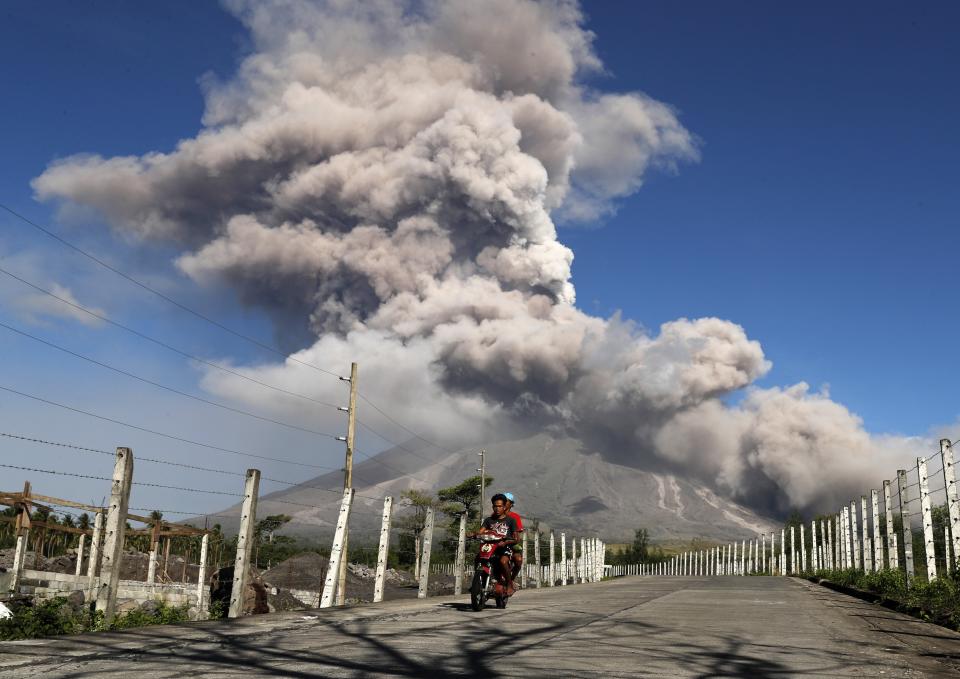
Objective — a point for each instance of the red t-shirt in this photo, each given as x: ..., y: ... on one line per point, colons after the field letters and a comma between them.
x: 516, y: 517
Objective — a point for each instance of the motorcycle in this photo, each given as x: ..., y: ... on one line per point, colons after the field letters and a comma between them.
x: 488, y: 582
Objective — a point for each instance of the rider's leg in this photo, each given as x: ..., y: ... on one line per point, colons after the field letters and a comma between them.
x: 517, y: 564
x: 507, y: 570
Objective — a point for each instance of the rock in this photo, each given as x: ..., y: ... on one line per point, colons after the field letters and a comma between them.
x: 76, y: 599
x: 150, y: 607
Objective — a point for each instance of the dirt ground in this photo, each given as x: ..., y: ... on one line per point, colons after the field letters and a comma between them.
x: 308, y: 570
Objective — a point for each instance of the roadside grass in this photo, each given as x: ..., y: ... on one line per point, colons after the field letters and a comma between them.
x: 937, y: 601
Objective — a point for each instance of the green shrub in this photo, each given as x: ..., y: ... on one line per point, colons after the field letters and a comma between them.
x: 58, y: 616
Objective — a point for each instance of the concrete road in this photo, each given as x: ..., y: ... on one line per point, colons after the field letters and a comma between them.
x: 641, y: 626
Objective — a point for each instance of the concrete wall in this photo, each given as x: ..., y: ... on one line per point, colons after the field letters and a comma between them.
x: 130, y: 593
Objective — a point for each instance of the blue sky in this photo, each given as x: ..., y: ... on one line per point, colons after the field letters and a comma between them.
x: 822, y: 216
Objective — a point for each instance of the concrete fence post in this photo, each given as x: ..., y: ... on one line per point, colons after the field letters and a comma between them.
x: 245, y: 546
x: 743, y: 558
x: 553, y: 565
x: 19, y: 559
x: 763, y: 553
x: 783, y: 551
x: 946, y: 550
x: 203, y: 611
x: 425, y: 560
x: 575, y: 570
x: 877, y: 541
x: 893, y: 558
x: 926, y: 518
x: 866, y: 544
x: 383, y: 550
x: 953, y: 503
x: 564, y: 571
x: 802, y: 557
x: 536, y: 552
x: 336, y: 550
x: 855, y: 533
x: 80, y: 546
x: 844, y: 533
x: 526, y: 555
x: 152, y: 560
x: 814, y: 552
x: 115, y: 530
x: 905, y: 518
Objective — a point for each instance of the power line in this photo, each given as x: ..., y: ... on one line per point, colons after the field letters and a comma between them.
x: 160, y: 343
x: 162, y: 296
x: 103, y: 478
x: 157, y: 433
x: 406, y: 429
x: 172, y: 390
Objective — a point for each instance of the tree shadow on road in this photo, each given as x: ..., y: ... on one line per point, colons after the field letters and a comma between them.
x: 479, y: 646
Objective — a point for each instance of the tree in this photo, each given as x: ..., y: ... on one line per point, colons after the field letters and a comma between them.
x: 411, y: 525
x: 271, y: 547
x: 464, y: 497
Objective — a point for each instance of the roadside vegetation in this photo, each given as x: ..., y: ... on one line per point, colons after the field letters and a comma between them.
x: 59, y: 616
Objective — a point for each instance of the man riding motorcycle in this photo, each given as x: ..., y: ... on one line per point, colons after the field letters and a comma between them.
x: 503, y: 526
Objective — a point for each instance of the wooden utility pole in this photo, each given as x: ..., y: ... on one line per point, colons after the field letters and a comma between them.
x: 348, y: 477
x: 483, y: 481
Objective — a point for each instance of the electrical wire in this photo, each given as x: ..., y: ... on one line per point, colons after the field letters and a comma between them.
x: 172, y: 390
x: 157, y: 433
x: 164, y: 345
x: 163, y: 296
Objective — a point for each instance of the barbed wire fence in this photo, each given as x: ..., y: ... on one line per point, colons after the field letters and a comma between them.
x: 909, y: 524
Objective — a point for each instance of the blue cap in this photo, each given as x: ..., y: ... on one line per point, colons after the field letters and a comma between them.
x: 509, y: 496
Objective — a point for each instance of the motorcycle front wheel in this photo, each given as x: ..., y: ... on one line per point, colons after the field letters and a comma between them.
x: 476, y: 591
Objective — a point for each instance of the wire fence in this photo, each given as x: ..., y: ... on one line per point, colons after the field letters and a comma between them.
x: 909, y: 524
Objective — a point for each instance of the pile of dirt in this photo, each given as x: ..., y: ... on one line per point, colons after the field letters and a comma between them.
x: 133, y: 565
x: 307, y: 571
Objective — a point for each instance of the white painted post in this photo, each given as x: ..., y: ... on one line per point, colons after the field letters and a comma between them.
x: 553, y: 565
x: 763, y: 553
x: 953, y: 503
x: 802, y: 564
x: 336, y: 550
x: 384, y: 548
x: 892, y: 557
x: 907, y: 529
x: 877, y: 541
x: 867, y: 549
x: 564, y: 570
x: 425, y: 560
x: 248, y: 520
x: 927, y: 519
x: 116, y: 528
x: 80, y: 546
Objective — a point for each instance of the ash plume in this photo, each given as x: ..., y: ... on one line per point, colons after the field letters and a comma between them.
x: 390, y: 175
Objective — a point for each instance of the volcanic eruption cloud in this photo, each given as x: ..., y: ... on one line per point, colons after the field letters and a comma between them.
x: 388, y: 177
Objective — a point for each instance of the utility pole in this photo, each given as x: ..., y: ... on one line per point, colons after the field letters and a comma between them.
x: 483, y: 481
x: 351, y: 411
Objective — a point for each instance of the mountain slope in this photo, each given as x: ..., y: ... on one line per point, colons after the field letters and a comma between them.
x: 553, y: 480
